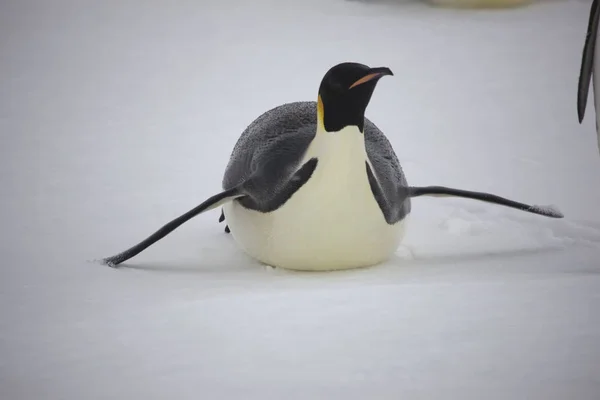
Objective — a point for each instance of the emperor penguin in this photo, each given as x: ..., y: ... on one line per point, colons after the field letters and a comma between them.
x: 590, y: 67
x: 315, y: 185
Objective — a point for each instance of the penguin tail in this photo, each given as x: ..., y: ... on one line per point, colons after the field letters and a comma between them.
x: 440, y: 191
x: 209, y: 204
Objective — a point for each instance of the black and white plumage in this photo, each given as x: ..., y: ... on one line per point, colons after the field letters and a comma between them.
x: 310, y: 208
x: 316, y: 185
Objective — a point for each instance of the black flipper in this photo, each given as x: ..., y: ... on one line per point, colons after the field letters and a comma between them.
x: 587, y: 61
x: 211, y: 203
x: 227, y: 230
x: 546, y: 211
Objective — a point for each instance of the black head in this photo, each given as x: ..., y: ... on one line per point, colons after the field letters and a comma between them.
x: 344, y: 94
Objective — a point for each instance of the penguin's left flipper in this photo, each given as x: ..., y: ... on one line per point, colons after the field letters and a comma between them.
x: 210, y: 203
x: 546, y: 211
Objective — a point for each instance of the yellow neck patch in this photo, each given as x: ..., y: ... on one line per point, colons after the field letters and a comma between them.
x: 320, y: 113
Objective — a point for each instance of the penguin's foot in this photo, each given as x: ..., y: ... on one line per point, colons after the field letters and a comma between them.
x: 221, y: 219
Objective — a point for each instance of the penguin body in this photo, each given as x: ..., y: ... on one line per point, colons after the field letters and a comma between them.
x: 317, y: 185
x: 346, y: 208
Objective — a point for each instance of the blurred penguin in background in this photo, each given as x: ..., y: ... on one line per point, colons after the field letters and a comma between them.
x: 480, y: 4
x: 588, y: 68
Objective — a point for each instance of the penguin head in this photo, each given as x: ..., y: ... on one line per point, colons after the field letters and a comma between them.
x: 344, y: 94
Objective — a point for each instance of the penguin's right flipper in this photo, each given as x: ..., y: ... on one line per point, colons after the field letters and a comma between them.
x: 547, y: 211
x: 209, y: 204
x: 587, y: 61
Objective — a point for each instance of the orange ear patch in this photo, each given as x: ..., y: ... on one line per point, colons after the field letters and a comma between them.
x: 364, y: 79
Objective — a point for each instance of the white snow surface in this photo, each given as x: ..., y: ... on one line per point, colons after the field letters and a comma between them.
x: 117, y: 116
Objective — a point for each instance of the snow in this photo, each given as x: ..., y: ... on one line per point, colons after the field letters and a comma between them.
x: 117, y: 116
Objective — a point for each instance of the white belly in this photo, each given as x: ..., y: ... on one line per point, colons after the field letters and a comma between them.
x: 332, y: 222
